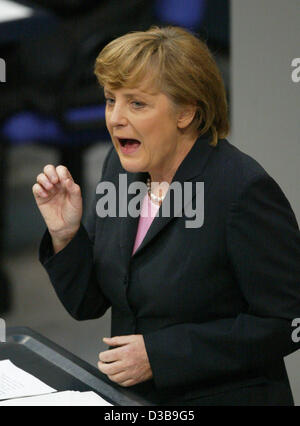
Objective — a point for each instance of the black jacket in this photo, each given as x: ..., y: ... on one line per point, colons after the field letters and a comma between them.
x: 214, y: 303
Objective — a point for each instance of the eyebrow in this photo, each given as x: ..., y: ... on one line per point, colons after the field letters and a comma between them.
x: 108, y: 92
x: 127, y: 95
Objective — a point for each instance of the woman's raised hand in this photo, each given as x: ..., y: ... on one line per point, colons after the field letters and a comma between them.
x: 59, y: 200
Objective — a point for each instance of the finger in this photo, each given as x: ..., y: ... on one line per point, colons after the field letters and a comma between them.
x: 72, y: 187
x: 111, y: 355
x: 129, y: 382
x: 120, y: 377
x: 50, y: 172
x: 39, y: 191
x: 44, y: 181
x: 111, y: 368
x: 118, y: 340
x: 63, y: 173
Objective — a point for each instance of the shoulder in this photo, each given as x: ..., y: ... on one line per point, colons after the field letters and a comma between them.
x: 233, y: 170
x: 241, y: 182
x: 236, y: 180
x: 237, y: 164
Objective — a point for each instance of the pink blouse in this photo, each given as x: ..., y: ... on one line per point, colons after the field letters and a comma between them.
x: 148, y: 213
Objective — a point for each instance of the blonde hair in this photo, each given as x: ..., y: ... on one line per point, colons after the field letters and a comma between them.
x: 178, y: 63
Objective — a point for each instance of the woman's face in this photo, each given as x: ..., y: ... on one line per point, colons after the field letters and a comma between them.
x: 144, y: 130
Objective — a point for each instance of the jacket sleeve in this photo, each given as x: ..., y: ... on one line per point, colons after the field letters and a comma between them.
x: 263, y: 245
x: 72, y: 272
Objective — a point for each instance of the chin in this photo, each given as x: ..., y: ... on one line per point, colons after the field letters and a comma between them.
x: 131, y: 165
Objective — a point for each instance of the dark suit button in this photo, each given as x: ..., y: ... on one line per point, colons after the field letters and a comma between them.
x: 126, y: 280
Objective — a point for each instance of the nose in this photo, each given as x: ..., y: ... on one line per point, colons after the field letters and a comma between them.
x: 116, y: 115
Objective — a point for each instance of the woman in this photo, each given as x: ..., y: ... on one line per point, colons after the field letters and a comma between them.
x: 200, y: 314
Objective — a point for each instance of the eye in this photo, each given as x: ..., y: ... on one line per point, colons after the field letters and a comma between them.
x: 109, y: 101
x: 137, y: 104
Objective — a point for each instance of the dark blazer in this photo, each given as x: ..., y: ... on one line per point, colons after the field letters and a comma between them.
x: 214, y: 303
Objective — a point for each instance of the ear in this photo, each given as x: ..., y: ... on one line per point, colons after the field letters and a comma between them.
x: 186, y: 116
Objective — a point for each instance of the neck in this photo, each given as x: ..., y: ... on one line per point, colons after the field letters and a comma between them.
x: 167, y: 175
x: 160, y: 180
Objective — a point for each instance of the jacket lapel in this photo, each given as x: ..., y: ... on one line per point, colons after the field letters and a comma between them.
x: 129, y: 224
x: 191, y: 169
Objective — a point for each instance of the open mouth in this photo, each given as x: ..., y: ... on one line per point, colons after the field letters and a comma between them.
x: 128, y: 146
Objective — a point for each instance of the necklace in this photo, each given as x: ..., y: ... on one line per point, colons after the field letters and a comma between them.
x: 152, y: 196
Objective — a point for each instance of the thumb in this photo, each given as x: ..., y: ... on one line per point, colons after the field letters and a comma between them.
x: 72, y: 187
x: 74, y: 193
